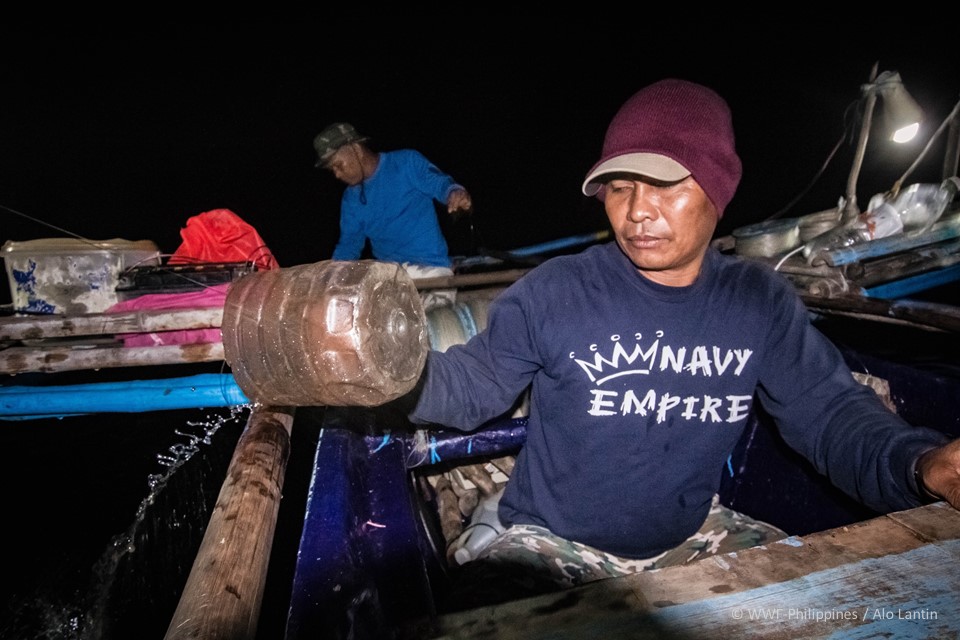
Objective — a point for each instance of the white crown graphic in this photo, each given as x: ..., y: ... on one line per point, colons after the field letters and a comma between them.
x: 703, y: 360
x: 619, y: 358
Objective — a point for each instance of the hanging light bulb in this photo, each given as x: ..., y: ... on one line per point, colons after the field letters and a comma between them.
x: 901, y: 114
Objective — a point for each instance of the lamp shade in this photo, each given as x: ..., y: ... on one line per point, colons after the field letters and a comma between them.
x: 901, y: 114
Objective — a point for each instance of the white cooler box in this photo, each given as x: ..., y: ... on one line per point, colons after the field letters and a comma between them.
x: 69, y: 275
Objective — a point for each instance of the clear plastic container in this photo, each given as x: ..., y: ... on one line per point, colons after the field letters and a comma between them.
x: 879, y: 222
x: 920, y: 205
x: 336, y: 333
x: 914, y: 210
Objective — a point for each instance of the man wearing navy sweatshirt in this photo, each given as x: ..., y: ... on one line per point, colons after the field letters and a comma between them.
x: 644, y: 356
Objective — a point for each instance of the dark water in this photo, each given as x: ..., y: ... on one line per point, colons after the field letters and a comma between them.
x: 105, y: 514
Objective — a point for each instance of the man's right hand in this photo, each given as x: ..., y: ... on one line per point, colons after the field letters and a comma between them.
x: 939, y: 471
x: 459, y: 203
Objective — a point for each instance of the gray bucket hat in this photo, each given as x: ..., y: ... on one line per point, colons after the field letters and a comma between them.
x: 332, y: 138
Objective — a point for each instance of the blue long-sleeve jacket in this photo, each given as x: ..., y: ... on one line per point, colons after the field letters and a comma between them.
x: 394, y: 209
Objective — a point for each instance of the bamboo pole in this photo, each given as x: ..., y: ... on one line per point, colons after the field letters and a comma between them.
x: 224, y: 592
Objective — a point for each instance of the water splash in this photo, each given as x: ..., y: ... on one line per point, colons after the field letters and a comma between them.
x: 88, y: 614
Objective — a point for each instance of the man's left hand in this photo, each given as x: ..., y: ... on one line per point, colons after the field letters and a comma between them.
x: 939, y: 470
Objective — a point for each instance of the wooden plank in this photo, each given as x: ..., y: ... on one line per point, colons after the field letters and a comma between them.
x: 927, y: 315
x: 900, y: 565
x: 910, y: 263
x: 471, y: 279
x: 36, y: 327
x: 74, y: 358
x: 902, y: 595
x: 908, y: 285
x: 931, y: 523
x: 224, y: 591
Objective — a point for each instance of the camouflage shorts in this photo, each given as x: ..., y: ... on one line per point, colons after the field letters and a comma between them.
x: 528, y: 560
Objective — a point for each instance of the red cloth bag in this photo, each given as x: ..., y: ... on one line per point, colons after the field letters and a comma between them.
x: 220, y: 235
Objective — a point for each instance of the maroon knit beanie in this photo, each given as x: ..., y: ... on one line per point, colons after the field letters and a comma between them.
x: 667, y: 131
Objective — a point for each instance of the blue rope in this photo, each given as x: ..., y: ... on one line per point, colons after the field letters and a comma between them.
x: 466, y: 319
x: 383, y: 443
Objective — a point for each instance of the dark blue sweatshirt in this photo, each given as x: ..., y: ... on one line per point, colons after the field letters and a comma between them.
x: 640, y: 392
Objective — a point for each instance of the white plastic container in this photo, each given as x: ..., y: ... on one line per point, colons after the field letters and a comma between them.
x: 70, y: 275
x: 484, y: 526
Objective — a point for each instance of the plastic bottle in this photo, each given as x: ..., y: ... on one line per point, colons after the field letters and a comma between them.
x: 914, y: 210
x: 336, y: 333
x: 920, y: 205
x: 484, y: 526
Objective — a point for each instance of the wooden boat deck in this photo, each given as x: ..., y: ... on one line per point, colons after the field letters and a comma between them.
x: 890, y: 577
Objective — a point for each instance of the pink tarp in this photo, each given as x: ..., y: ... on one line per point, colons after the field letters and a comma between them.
x: 205, y: 298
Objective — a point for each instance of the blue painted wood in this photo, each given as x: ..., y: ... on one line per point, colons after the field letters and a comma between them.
x: 914, y: 284
x: 362, y: 564
x: 907, y: 595
x: 890, y: 577
x: 892, y: 244
x: 500, y: 437
x: 135, y: 396
x: 329, y: 574
x: 562, y: 243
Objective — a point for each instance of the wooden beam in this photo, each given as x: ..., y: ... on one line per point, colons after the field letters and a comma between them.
x: 868, y: 577
x: 36, y: 327
x: 224, y: 591
x: 929, y: 316
x: 49, y: 359
x: 470, y: 279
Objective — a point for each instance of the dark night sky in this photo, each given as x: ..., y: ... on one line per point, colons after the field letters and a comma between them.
x: 127, y: 136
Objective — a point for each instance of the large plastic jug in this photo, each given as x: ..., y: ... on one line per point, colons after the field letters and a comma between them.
x: 337, y: 333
